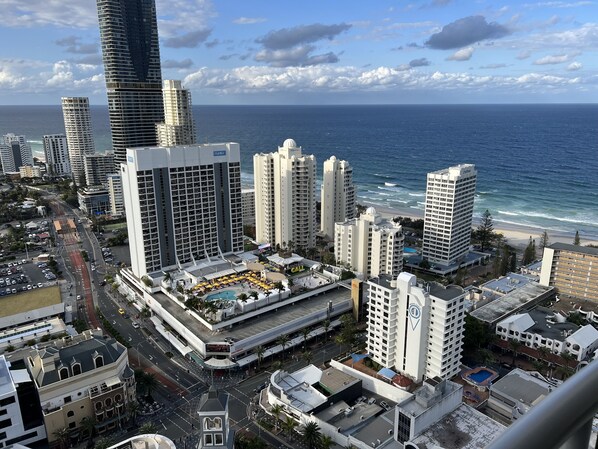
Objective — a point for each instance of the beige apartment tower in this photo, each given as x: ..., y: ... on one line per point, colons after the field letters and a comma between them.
x: 449, y: 213
x: 338, y: 195
x: 79, y: 136
x: 285, y: 202
x: 572, y: 270
x: 178, y: 127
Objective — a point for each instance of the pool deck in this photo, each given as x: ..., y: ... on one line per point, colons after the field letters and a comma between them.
x: 466, y: 376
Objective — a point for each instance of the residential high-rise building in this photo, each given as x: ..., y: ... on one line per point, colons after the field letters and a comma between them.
x: 248, y: 200
x: 183, y: 204
x: 179, y: 126
x: 370, y: 245
x: 338, y: 195
x: 572, y: 270
x: 285, y: 200
x: 417, y: 330
x: 79, y: 135
x: 131, y: 55
x: 83, y: 376
x: 20, y: 415
x: 57, y: 155
x: 15, y: 152
x: 97, y: 168
x: 449, y: 213
x: 115, y: 192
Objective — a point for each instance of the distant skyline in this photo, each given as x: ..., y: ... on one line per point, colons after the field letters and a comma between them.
x: 324, y: 52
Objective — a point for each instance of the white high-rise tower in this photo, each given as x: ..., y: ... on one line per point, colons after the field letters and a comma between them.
x: 338, y: 195
x: 285, y: 203
x: 178, y: 127
x: 79, y: 136
x: 449, y: 212
x: 57, y: 155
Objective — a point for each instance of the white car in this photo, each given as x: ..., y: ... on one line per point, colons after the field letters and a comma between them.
x: 135, y: 324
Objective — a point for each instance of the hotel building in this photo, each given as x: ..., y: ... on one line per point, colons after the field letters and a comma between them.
x: 248, y: 200
x: 183, y: 204
x: 448, y: 214
x: 56, y: 151
x: 369, y: 245
x: 115, y: 193
x: 178, y: 127
x: 572, y: 270
x: 417, y: 330
x: 131, y: 55
x: 79, y: 136
x: 285, y: 197
x: 338, y: 195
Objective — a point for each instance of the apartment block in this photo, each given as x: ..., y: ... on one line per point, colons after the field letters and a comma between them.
x: 415, y: 329
x: 15, y: 152
x: 572, y: 270
x: 79, y: 135
x: 97, y: 168
x: 337, y: 196
x: 178, y: 127
x: 57, y: 155
x: 248, y: 200
x: 448, y: 214
x: 115, y: 193
x: 285, y: 200
x: 370, y: 245
x: 183, y: 204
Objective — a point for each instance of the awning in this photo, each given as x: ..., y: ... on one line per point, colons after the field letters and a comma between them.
x: 219, y: 363
x: 111, y: 381
x: 358, y: 357
x: 387, y: 372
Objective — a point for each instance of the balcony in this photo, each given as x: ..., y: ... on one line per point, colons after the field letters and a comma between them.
x: 561, y: 421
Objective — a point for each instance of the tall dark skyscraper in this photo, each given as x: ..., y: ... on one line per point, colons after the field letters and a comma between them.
x: 131, y: 54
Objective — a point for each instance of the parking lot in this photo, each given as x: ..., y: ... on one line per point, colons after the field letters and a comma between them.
x: 20, y: 276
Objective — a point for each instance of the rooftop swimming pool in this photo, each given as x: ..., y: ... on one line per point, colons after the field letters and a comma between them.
x: 227, y: 295
x: 409, y: 250
x: 480, y: 376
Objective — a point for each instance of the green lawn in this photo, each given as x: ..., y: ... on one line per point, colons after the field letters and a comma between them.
x: 115, y: 226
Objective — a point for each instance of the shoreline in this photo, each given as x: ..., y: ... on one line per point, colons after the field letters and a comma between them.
x: 516, y: 235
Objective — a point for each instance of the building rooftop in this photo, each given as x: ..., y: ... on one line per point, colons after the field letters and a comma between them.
x: 333, y: 380
x: 29, y: 301
x: 6, y: 384
x: 574, y: 248
x: 463, y: 428
x: 512, y: 302
x: 506, y: 284
x: 426, y: 392
x: 213, y: 401
x: 546, y: 325
x: 521, y: 386
x: 379, y: 430
x: 435, y: 289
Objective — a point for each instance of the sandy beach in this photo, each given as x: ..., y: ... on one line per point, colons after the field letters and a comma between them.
x: 517, y: 235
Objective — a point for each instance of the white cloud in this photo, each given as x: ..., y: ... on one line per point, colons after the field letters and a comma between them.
x: 179, y: 17
x: 555, y: 59
x: 249, y: 20
x: 33, y: 13
x: 464, y: 54
x: 574, y: 66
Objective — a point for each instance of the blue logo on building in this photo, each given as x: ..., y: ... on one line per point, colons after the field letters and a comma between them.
x: 130, y: 159
x: 220, y: 153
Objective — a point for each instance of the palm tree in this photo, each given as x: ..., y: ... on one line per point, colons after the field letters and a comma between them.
x: 150, y: 383
x: 276, y: 411
x: 103, y: 443
x: 326, y: 442
x: 288, y: 425
x: 259, y: 351
x: 255, y: 296
x: 283, y: 341
x: 280, y: 287
x: 308, y: 357
x: 311, y: 435
x: 326, y: 327
x: 267, y: 293
x: 62, y: 436
x: 133, y: 410
x: 88, y: 426
x: 148, y: 427
x: 514, y: 345
x: 305, y: 332
x: 243, y: 297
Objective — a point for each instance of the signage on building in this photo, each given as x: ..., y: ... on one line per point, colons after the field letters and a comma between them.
x: 220, y: 153
x: 415, y: 314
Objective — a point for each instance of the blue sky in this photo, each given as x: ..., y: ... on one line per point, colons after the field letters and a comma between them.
x: 319, y: 51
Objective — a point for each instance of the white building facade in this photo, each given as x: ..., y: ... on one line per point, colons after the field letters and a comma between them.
x: 448, y: 214
x: 179, y: 126
x: 248, y: 200
x: 79, y: 136
x: 15, y: 152
x: 115, y: 192
x: 285, y: 200
x: 56, y: 152
x: 337, y: 196
x: 182, y: 204
x: 417, y: 332
x: 369, y: 245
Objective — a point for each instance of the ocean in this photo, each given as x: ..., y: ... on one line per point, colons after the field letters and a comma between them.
x: 537, y: 164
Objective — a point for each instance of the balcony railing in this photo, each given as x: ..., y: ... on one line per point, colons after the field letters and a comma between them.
x: 563, y: 420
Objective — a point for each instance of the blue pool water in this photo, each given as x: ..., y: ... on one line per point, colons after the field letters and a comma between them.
x: 409, y: 250
x: 480, y: 376
x: 226, y: 294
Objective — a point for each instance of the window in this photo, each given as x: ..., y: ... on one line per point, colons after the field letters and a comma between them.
x: 76, y: 369
x: 67, y: 399
x: 218, y: 439
x: 207, y: 440
x: 63, y: 373
x: 70, y: 414
x: 99, y: 361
